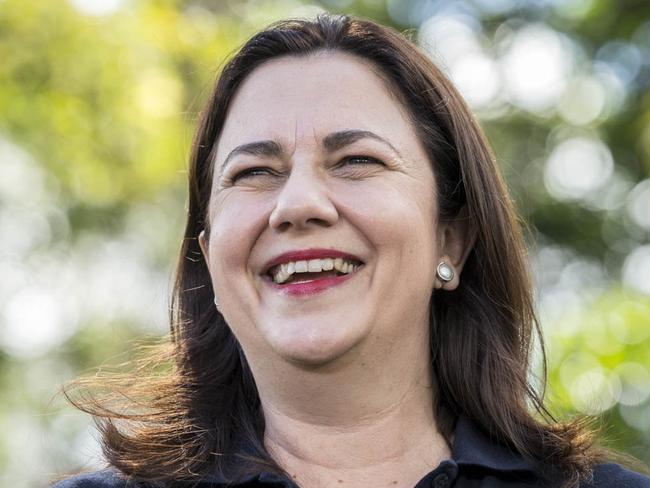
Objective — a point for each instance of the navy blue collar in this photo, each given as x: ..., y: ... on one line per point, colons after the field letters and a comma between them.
x: 471, y: 448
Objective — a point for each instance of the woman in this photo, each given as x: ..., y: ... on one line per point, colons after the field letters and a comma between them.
x: 352, y: 304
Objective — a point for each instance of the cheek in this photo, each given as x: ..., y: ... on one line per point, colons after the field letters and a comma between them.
x: 236, y: 225
x: 398, y: 221
x: 393, y: 212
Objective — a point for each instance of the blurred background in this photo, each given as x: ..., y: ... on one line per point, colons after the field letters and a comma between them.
x: 98, y: 103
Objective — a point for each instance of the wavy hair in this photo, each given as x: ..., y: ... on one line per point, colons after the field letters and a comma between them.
x: 181, y: 421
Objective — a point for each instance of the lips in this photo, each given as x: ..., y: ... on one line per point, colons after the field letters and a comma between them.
x: 306, y: 272
x: 313, y: 269
x: 307, y: 255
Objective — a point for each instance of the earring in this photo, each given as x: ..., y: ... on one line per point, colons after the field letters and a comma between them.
x: 216, y: 303
x: 445, y: 272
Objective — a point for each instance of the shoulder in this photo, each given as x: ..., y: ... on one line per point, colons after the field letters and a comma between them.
x: 106, y: 478
x: 610, y: 474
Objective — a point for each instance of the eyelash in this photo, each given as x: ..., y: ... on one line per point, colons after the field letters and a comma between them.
x: 254, y: 171
x: 366, y: 159
x: 261, y: 170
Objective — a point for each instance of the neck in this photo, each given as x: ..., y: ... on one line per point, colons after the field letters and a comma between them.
x: 354, y: 423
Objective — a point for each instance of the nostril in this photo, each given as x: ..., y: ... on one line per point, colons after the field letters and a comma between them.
x: 301, y: 206
x: 284, y: 226
x: 318, y: 222
x: 300, y: 224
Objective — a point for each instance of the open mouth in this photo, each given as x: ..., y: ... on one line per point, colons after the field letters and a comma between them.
x: 311, y: 270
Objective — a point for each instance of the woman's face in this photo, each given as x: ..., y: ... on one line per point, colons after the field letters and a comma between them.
x: 323, y: 218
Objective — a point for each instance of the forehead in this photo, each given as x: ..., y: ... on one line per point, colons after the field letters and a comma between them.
x: 304, y: 98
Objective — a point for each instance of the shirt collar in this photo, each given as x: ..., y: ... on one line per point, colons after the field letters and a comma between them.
x: 473, y: 447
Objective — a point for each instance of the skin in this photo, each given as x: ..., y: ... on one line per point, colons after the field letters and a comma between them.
x: 343, y: 376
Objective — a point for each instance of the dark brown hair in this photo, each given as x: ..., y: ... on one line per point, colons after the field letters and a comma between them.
x: 181, y: 423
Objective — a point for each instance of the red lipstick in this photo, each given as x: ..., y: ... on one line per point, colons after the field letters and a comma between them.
x: 313, y: 286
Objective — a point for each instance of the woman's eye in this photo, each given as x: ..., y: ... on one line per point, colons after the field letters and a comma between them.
x: 250, y: 172
x: 361, y: 160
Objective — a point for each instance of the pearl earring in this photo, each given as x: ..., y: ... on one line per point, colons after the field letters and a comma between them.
x: 445, y: 272
x: 216, y: 303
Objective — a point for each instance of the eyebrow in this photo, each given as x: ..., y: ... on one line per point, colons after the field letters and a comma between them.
x: 337, y: 140
x: 331, y: 142
x: 258, y: 148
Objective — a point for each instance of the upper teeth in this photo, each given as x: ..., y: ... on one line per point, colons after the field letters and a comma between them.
x: 284, y: 271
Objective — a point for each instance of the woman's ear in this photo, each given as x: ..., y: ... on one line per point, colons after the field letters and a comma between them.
x: 203, y: 243
x: 457, y: 239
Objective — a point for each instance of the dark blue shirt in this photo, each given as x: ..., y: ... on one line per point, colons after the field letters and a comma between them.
x: 476, y: 462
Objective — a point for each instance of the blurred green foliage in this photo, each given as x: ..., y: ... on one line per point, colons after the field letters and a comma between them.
x: 98, y: 101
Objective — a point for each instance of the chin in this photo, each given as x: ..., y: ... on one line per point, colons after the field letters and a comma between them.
x: 307, y: 345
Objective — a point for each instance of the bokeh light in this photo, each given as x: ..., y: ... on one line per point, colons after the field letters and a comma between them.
x: 536, y: 64
x: 577, y: 167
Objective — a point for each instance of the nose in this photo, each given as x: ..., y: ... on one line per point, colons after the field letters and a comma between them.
x: 302, y: 202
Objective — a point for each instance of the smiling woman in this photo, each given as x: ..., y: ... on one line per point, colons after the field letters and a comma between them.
x: 334, y: 176
x: 374, y: 316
